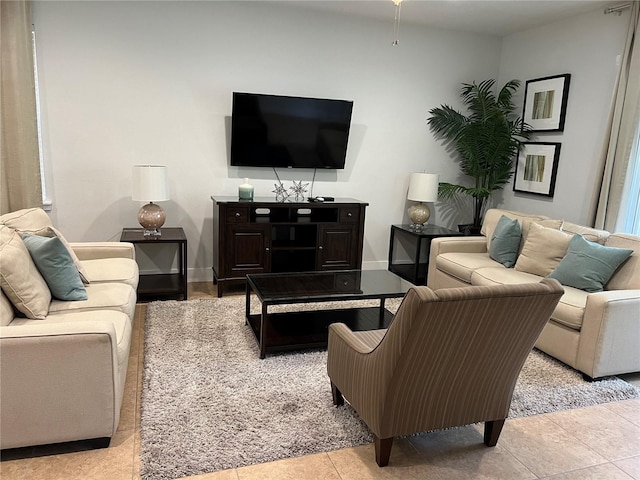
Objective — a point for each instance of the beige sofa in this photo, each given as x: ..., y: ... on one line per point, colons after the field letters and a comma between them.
x: 63, y: 373
x: 597, y: 333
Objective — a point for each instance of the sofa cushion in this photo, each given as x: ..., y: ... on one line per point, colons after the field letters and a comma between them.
x: 6, y: 310
x: 588, y: 265
x: 110, y: 296
x: 56, y: 266
x: 570, y: 309
x: 505, y: 241
x: 550, y: 223
x: 501, y: 276
x: 543, y: 250
x: 19, y: 278
x: 461, y: 264
x: 493, y: 215
x: 628, y: 275
x: 28, y: 219
x: 591, y: 234
x: 109, y: 270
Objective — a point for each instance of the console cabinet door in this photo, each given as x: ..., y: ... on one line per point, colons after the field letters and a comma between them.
x: 336, y: 247
x: 248, y: 249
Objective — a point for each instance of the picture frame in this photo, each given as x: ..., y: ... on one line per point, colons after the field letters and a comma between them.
x: 545, y: 103
x: 537, y: 168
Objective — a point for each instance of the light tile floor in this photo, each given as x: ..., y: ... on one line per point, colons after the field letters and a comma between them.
x: 601, y: 442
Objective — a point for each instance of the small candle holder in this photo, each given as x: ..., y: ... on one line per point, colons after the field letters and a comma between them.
x: 245, y: 190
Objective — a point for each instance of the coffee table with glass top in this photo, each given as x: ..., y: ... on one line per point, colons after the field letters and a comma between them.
x: 309, y: 328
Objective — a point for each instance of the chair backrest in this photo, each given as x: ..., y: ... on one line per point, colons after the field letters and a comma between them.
x: 455, y: 354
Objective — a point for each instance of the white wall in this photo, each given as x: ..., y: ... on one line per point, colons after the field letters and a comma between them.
x: 150, y: 82
x: 585, y: 46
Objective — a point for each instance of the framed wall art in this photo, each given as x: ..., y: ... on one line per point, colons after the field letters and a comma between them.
x: 545, y: 103
x: 536, y: 168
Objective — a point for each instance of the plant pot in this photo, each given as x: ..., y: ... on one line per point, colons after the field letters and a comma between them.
x: 469, y: 229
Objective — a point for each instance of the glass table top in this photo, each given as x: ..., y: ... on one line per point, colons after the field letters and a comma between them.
x: 327, y: 286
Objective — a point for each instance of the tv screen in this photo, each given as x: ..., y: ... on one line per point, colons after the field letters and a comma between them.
x: 282, y: 131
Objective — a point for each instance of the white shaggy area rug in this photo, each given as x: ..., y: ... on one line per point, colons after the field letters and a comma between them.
x: 209, y: 403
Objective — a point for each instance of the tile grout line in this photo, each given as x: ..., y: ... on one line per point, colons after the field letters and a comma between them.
x: 555, y: 475
x: 513, y: 455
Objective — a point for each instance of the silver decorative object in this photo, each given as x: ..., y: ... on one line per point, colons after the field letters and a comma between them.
x: 281, y: 192
x: 298, y: 190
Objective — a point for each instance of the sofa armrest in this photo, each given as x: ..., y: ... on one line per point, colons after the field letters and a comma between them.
x: 97, y: 250
x: 609, y: 338
x: 457, y: 244
x: 36, y: 329
x: 442, y: 245
x: 59, y: 382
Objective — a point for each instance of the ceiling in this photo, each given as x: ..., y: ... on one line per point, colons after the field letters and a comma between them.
x: 495, y: 17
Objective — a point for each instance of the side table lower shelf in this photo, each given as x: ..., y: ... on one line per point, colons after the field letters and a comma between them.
x: 161, y: 286
x: 417, y: 244
x: 408, y: 272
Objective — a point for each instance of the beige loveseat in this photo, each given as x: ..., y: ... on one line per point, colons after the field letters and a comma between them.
x: 597, y: 333
x: 62, y: 373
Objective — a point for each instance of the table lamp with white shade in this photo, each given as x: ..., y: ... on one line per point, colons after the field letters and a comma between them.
x: 150, y: 185
x: 423, y: 187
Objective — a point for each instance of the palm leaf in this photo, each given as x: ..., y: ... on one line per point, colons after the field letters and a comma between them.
x: 486, y: 140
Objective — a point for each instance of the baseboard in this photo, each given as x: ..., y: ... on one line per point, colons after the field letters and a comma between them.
x: 375, y: 265
x: 200, y: 275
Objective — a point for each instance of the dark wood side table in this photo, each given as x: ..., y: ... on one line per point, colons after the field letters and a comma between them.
x: 161, y: 286
x: 417, y: 243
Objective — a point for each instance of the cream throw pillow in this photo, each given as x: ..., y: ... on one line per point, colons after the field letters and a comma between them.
x: 19, y: 277
x: 27, y: 219
x: 590, y: 234
x: 543, y: 250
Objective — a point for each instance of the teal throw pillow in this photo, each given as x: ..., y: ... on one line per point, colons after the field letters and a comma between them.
x: 505, y: 241
x: 56, y: 266
x: 588, y: 265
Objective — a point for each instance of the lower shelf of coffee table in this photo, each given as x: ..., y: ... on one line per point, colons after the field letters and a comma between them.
x: 310, y: 329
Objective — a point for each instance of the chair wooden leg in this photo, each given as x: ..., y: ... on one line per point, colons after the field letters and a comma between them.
x: 338, y: 399
x: 492, y: 431
x: 383, y: 450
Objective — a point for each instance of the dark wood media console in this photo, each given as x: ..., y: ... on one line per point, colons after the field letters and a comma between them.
x: 264, y: 236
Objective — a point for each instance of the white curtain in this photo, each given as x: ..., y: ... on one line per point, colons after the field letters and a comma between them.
x: 623, y: 131
x: 629, y: 217
x: 20, y: 185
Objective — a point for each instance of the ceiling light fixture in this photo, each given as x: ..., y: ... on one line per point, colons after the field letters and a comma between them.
x: 396, y: 23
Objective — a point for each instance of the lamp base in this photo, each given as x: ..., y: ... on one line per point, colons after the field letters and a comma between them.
x: 419, y: 214
x: 151, y: 217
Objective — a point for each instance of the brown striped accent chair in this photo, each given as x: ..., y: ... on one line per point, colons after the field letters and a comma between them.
x: 451, y: 357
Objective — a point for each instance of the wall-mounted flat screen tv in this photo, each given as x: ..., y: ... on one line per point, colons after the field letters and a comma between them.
x: 290, y: 132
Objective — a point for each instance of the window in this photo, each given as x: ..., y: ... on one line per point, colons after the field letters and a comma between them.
x: 46, y: 203
x: 630, y: 211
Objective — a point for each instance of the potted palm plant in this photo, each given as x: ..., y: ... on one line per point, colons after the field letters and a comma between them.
x: 486, y: 141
